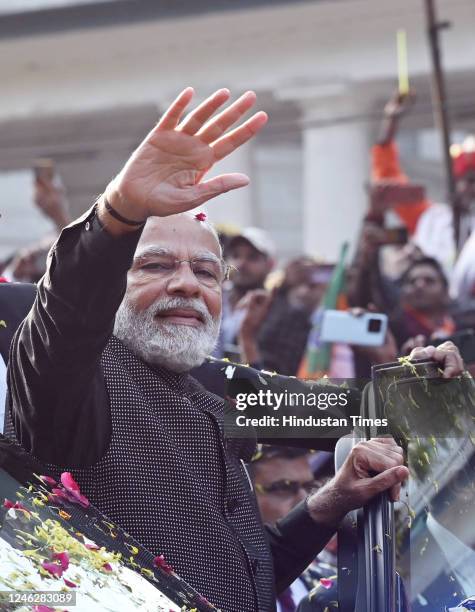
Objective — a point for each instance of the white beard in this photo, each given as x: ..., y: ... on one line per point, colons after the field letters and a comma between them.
x: 158, y: 342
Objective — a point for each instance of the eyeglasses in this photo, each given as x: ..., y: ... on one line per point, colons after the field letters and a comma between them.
x: 208, y: 272
x: 287, y: 488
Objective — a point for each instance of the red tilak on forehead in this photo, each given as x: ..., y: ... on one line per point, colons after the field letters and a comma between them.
x: 201, y: 216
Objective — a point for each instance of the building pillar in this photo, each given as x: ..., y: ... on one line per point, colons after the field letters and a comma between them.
x: 235, y: 207
x: 336, y: 164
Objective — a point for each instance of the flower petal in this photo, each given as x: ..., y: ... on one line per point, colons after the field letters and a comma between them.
x: 68, y: 482
x: 8, y: 504
x: 326, y: 583
x: 70, y: 584
x: 61, y: 493
x: 80, y: 499
x: 160, y: 562
x: 72, y: 490
x: 19, y: 506
x: 49, y: 481
x: 201, y: 216
x: 53, y: 568
x: 107, y: 567
x: 63, y: 559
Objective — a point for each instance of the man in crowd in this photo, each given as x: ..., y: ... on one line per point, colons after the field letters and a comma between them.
x: 424, y: 303
x: 421, y: 312
x: 282, y: 478
x: 430, y: 225
x: 111, y: 400
x: 251, y: 257
x: 275, y: 326
x: 29, y: 263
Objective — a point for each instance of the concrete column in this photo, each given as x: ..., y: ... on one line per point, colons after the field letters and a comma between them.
x: 234, y: 207
x: 335, y: 168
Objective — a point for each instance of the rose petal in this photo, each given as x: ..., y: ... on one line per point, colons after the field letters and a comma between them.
x: 19, y: 506
x: 49, y: 481
x: 63, y: 559
x: 92, y: 546
x: 53, y: 568
x: 160, y: 562
x: 201, y: 216
x: 326, y: 583
x: 61, y: 493
x: 68, y: 482
x: 72, y: 496
x: 81, y: 499
x: 107, y: 567
x: 70, y: 584
x: 42, y: 609
x: 8, y: 504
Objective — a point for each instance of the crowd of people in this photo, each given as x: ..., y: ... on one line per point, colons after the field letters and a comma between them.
x: 107, y: 358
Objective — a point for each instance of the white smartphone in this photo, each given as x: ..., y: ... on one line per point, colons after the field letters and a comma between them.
x: 368, y: 329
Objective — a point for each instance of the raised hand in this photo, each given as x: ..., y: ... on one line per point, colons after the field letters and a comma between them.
x: 399, y: 104
x: 50, y: 197
x: 164, y: 174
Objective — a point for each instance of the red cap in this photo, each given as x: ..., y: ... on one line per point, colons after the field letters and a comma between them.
x: 463, y: 163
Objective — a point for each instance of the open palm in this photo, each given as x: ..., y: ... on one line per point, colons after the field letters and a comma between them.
x: 164, y: 174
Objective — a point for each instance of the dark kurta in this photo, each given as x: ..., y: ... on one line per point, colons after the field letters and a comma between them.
x: 146, y: 445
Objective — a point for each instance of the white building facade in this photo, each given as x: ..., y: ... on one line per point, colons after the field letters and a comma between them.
x: 83, y: 82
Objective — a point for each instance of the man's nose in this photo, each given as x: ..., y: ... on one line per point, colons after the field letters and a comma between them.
x: 420, y: 283
x: 184, y: 282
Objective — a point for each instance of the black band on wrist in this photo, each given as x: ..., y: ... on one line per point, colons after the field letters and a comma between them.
x: 119, y: 217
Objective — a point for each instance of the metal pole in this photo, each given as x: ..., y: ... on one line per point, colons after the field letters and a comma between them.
x: 440, y: 109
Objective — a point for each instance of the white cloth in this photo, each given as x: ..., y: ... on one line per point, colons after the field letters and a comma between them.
x: 462, y: 286
x: 434, y: 235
